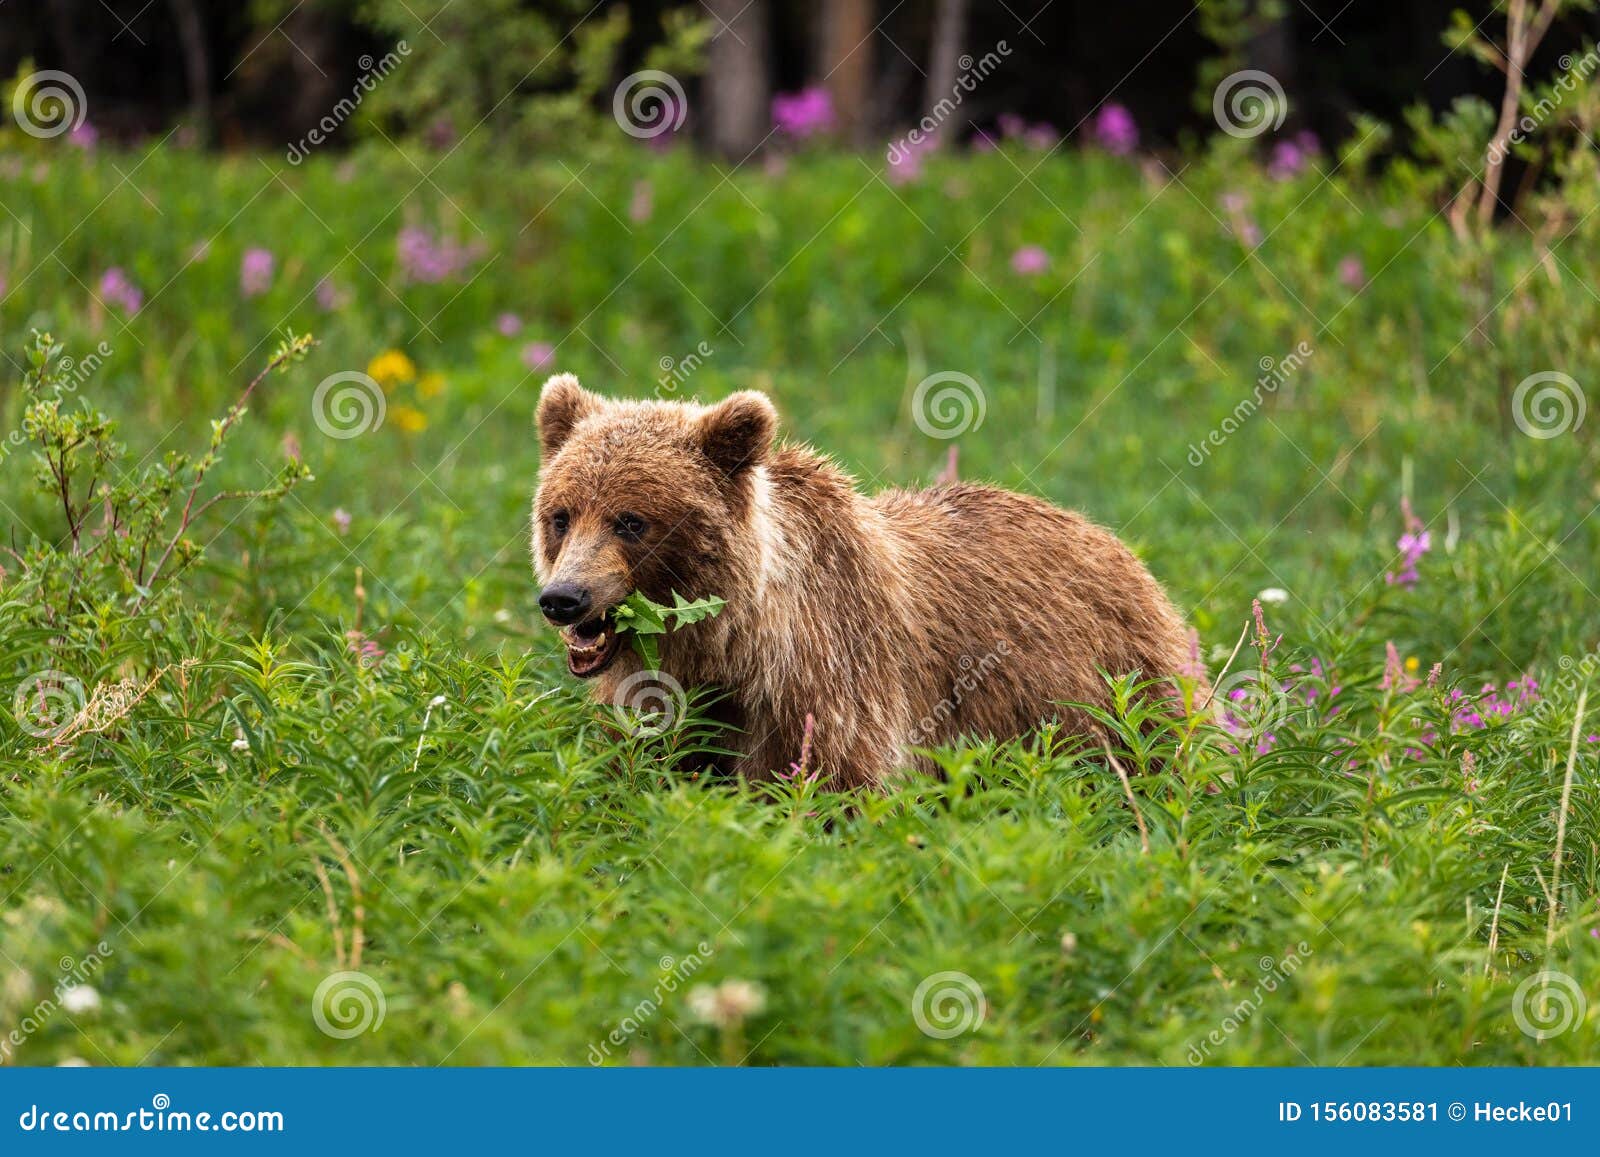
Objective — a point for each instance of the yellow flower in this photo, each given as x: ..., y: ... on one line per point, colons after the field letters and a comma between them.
x: 391, y: 367
x: 1411, y: 663
x: 430, y: 385
x: 408, y: 418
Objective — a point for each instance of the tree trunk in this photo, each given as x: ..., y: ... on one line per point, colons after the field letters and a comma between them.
x: 738, y: 85
x: 949, y: 37
x: 847, y: 53
x: 196, y: 63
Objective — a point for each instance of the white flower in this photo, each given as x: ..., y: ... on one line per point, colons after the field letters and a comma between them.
x: 728, y: 1003
x: 436, y: 701
x: 1274, y: 595
x: 241, y: 744
x: 80, y: 998
x: 72, y: 1063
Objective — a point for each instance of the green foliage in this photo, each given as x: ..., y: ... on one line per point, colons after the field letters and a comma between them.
x: 122, y: 526
x: 339, y: 739
x: 503, y: 70
x: 641, y: 620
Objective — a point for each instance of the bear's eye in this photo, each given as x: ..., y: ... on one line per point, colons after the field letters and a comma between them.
x: 558, y: 522
x: 631, y: 527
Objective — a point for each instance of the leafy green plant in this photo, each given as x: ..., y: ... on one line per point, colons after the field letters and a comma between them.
x: 126, y: 532
x: 642, y: 620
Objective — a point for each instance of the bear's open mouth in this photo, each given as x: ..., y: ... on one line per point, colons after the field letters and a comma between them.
x: 591, y: 646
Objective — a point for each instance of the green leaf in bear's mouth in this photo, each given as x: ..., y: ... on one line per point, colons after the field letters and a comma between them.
x: 641, y: 619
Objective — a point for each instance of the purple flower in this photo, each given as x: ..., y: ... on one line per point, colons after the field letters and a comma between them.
x: 905, y: 159
x: 1115, y: 131
x: 509, y: 324
x: 1040, y: 136
x: 84, y: 135
x: 982, y: 142
x: 1011, y: 125
x: 341, y: 520
x: 429, y: 260
x: 803, y: 113
x: 366, y: 651
x: 255, y: 272
x: 538, y: 354
x: 1352, y: 274
x: 329, y: 296
x: 1030, y: 260
x: 1412, y: 545
x: 1290, y: 157
x: 117, y: 290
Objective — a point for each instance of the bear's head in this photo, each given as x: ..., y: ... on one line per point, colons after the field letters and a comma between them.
x: 658, y: 497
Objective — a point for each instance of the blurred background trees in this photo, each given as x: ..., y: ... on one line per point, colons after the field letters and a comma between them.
x: 263, y: 72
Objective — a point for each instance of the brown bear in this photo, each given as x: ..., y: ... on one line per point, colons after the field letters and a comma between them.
x: 905, y: 619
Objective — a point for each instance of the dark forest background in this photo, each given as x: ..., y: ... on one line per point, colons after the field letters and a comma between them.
x: 241, y: 74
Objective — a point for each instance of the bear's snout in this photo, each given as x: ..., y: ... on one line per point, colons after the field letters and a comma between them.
x: 564, y: 603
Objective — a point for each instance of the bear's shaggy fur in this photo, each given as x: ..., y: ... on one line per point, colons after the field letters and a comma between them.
x: 904, y: 619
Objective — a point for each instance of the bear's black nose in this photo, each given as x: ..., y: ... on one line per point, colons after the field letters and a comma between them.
x: 564, y: 603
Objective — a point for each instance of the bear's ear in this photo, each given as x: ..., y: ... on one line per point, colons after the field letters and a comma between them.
x: 563, y: 403
x: 735, y: 434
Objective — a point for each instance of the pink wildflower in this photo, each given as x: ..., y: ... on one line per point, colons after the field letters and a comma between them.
x: 1030, y: 260
x: 117, y: 290
x: 255, y: 272
x: 1412, y: 544
x: 1115, y: 131
x: 803, y: 113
